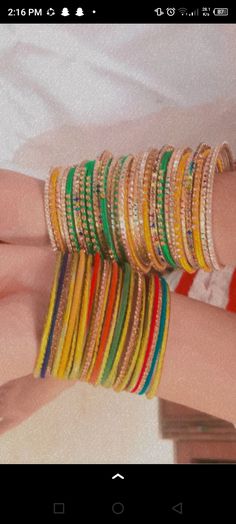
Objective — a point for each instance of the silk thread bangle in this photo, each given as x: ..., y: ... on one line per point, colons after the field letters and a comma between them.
x: 126, y: 380
x: 66, y: 315
x: 151, y: 333
x: 107, y: 323
x: 119, y: 323
x: 112, y: 326
x: 121, y: 346
x: 75, y: 309
x: 145, y: 334
x: 164, y: 287
x: 152, y: 391
x: 100, y: 324
x: 48, y: 319
x: 82, y: 315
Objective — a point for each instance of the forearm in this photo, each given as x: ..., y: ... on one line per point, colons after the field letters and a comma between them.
x: 199, y: 368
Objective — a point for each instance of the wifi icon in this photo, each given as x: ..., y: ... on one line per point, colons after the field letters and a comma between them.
x: 182, y: 10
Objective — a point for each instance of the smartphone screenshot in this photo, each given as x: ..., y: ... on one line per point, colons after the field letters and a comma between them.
x: 117, y: 262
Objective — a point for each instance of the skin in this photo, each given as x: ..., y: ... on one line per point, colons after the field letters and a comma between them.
x: 200, y: 362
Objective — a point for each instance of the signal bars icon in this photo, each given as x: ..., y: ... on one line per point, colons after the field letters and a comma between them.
x: 183, y: 11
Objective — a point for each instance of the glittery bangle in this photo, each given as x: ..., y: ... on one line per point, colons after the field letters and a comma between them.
x: 123, y: 211
x: 220, y: 155
x: 139, y: 236
x: 170, y: 206
x: 136, y: 214
x: 63, y: 180
x: 89, y: 207
x: 103, y: 309
x: 96, y: 209
x: 154, y: 316
x: 77, y: 208
x: 150, y: 283
x: 124, y: 365
x: 149, y: 168
x: 178, y: 243
x: 47, y: 203
x: 107, y: 323
x: 69, y: 210
x: 202, y: 152
x: 134, y: 356
x: 88, y: 320
x: 103, y: 161
x: 95, y: 326
x: 105, y: 209
x: 112, y: 326
x: 186, y: 211
x: 162, y: 209
x: 131, y: 216
x: 114, y: 209
x: 153, y: 213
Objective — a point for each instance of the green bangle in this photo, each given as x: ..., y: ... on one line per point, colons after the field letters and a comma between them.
x: 160, y: 200
x: 119, y: 323
x: 69, y: 210
x: 89, y: 166
x: 104, y: 213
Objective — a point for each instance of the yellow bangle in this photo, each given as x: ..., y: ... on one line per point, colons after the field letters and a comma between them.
x: 75, y: 308
x: 203, y: 151
x: 79, y: 307
x: 48, y: 320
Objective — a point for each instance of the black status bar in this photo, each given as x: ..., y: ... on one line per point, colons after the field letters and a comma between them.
x: 117, y: 13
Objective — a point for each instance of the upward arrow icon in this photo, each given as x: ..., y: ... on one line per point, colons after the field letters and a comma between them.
x: 118, y: 476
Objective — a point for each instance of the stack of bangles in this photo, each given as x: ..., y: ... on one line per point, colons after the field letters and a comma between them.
x: 118, y: 223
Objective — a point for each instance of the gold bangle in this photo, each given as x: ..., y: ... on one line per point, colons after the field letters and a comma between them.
x: 176, y: 196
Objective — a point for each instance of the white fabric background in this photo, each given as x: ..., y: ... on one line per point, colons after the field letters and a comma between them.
x: 67, y: 93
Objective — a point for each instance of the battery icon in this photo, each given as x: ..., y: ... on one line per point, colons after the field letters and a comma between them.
x: 221, y: 11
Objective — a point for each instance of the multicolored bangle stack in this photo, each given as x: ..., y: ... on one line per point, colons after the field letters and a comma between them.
x: 152, y: 210
x: 118, y: 224
x: 105, y: 325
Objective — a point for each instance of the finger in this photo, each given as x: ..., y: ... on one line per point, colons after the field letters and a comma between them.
x: 25, y: 267
x: 22, y: 219
x: 20, y: 398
